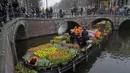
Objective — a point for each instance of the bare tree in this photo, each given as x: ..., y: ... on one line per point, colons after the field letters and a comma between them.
x: 66, y: 4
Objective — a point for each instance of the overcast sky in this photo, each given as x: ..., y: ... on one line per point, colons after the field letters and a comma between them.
x: 50, y: 2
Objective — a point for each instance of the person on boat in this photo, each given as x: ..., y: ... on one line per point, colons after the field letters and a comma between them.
x: 80, y: 28
x: 67, y: 37
x: 84, y: 37
x: 33, y: 60
x: 72, y: 36
x: 76, y: 31
x: 97, y: 34
x: 80, y: 35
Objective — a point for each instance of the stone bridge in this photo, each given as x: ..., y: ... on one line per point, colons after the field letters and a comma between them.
x: 24, y: 28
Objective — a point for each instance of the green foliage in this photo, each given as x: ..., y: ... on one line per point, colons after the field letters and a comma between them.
x: 44, y: 63
x: 58, y: 38
x: 22, y: 69
x: 97, y: 42
x: 28, y: 55
x: 62, y: 56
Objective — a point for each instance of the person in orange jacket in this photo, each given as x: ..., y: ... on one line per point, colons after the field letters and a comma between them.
x: 77, y: 30
x: 77, y: 33
x: 97, y: 34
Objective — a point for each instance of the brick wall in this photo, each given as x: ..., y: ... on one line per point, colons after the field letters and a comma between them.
x: 37, y: 28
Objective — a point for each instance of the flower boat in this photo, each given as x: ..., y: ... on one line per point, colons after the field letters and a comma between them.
x: 59, y: 56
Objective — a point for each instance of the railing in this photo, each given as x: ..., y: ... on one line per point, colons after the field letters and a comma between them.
x: 8, y: 17
x: 54, y: 15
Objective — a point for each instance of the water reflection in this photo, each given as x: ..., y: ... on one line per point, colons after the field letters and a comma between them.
x: 108, y: 64
x: 116, y: 57
x: 85, y: 67
x: 119, y: 46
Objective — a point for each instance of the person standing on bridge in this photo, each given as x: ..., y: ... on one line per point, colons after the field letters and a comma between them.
x: 75, y: 10
x: 50, y: 12
x: 61, y: 13
x: 81, y: 11
x: 72, y: 12
x: 37, y: 12
x: 43, y: 12
x: 15, y: 8
x: 47, y: 12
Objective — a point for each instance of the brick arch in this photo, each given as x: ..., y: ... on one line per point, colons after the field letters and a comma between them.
x: 125, y: 25
x: 124, y: 29
x: 20, y: 31
x: 77, y: 20
x: 66, y: 26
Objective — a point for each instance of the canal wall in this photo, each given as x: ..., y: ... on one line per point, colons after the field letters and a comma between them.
x: 37, y: 28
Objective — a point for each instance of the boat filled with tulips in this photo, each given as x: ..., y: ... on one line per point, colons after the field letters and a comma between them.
x: 61, y: 54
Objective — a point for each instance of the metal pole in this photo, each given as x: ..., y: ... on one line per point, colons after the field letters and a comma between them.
x: 46, y: 4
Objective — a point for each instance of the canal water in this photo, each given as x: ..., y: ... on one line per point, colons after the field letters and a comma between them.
x: 113, y: 58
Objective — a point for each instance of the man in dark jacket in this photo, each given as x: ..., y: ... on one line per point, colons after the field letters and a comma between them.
x: 61, y: 13
x: 84, y: 37
x: 72, y: 37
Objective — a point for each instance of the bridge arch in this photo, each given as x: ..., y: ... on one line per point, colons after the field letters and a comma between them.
x: 124, y: 29
x: 20, y: 33
x: 67, y: 26
x: 125, y: 25
x: 101, y: 19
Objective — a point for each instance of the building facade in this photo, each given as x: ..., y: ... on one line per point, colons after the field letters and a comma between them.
x: 122, y: 3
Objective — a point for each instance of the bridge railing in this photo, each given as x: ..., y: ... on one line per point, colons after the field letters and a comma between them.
x: 7, y: 18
